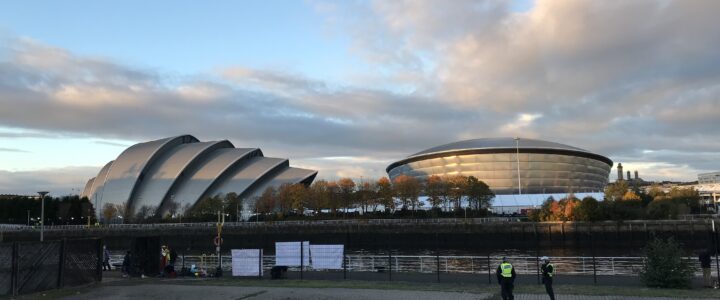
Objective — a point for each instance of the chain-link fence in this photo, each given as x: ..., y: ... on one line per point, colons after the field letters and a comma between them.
x: 27, y: 267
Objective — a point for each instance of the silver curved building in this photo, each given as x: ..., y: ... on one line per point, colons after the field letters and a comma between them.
x: 544, y: 167
x: 182, y: 170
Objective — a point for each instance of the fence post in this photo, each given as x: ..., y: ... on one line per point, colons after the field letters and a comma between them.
x: 15, y: 271
x: 437, y: 256
x: 260, y: 263
x: 537, y: 253
x: 98, y: 265
x: 347, y: 239
x: 592, y: 248
x: 61, y: 264
x: 389, y: 260
x: 489, y: 276
x: 302, y: 258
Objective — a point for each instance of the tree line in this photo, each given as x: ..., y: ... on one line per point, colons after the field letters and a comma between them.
x: 66, y: 210
x: 621, y: 203
x: 347, y: 198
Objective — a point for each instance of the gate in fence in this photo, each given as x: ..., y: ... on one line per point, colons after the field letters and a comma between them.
x: 28, y: 267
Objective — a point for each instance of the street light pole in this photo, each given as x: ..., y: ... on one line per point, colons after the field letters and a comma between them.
x: 517, y: 159
x: 42, y: 213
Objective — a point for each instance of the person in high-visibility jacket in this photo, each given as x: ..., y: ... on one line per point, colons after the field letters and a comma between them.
x: 548, y: 270
x: 506, y: 278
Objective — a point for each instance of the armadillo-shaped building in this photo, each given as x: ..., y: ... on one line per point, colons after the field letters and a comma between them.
x: 180, y: 171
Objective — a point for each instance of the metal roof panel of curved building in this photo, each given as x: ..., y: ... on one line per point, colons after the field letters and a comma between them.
x: 496, y: 143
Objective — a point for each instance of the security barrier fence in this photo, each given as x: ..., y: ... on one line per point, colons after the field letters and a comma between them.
x: 428, y: 264
x: 28, y: 267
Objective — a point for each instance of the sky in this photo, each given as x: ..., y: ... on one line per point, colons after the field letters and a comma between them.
x: 347, y: 87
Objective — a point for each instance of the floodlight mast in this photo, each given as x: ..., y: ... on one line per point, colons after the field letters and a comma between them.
x: 42, y: 213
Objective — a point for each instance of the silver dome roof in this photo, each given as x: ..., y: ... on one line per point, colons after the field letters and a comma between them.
x: 496, y: 143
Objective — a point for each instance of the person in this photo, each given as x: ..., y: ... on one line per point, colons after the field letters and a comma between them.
x: 106, y: 259
x: 705, y: 265
x: 506, y: 277
x: 164, y: 255
x: 548, y: 270
x: 127, y: 262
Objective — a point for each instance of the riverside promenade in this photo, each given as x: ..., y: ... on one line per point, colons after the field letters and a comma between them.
x: 570, y: 288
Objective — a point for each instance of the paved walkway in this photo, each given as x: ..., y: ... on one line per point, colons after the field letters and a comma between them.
x: 164, y: 292
x: 582, y: 297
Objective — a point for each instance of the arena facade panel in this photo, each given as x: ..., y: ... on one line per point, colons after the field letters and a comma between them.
x: 180, y: 171
x: 544, y: 167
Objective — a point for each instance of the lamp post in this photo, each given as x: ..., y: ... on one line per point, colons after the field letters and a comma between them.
x: 517, y: 159
x: 42, y: 213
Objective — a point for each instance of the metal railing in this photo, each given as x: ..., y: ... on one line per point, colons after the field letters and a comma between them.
x: 269, y: 223
x: 524, y: 265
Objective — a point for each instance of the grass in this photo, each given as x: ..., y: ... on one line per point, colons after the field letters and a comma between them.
x: 596, y: 290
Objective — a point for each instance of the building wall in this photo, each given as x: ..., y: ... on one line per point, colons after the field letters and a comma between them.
x: 539, y: 173
x: 713, y: 177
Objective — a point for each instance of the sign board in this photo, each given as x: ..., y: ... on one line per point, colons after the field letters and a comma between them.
x: 327, y: 256
x: 288, y: 254
x: 246, y: 262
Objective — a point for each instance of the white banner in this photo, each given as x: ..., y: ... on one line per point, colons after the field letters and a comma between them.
x: 288, y: 254
x: 246, y: 262
x: 327, y: 256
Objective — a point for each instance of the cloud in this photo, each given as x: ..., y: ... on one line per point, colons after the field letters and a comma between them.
x: 13, y: 150
x: 613, y: 77
x: 60, y: 181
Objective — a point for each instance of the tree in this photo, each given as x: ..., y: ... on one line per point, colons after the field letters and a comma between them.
x: 656, y: 191
x: 664, y: 266
x: 284, y: 198
x: 234, y: 205
x: 347, y: 187
x: 588, y: 210
x: 434, y: 188
x: 365, y: 194
x: 144, y: 213
x: 478, y: 193
x: 298, y: 196
x: 630, y: 196
x: 386, y: 192
x: 615, y: 191
x: 109, y: 211
x: 265, y: 204
x: 457, y: 189
x: 335, y: 197
x: 687, y: 196
x: 206, y: 209
x: 663, y: 208
x: 318, y: 195
x: 545, y: 213
x: 408, y: 190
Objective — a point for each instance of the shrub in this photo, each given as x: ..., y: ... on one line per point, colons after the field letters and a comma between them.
x: 663, y: 266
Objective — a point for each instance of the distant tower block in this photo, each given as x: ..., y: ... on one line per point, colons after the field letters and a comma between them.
x: 636, y: 175
x: 620, y: 174
x: 628, y: 173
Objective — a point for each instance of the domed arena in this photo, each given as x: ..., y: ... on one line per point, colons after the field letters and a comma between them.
x: 180, y: 171
x: 542, y: 167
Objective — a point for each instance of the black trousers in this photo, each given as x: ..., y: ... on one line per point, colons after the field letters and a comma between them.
x: 549, y: 288
x: 506, y: 289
